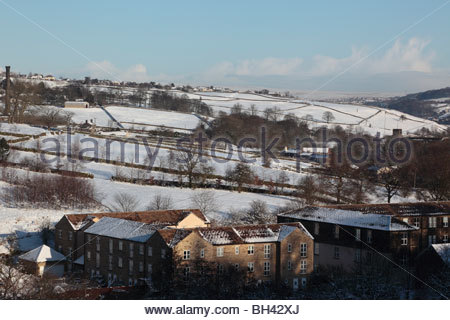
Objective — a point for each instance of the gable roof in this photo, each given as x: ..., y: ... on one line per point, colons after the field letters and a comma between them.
x: 398, y: 209
x: 122, y: 229
x: 443, y: 251
x: 154, y: 217
x: 235, y: 235
x: 42, y: 254
x: 349, y: 218
x: 173, y: 236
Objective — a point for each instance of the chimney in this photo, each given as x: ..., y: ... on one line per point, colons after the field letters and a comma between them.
x: 7, y: 89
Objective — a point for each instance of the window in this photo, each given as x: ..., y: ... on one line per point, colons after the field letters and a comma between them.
x: 303, y: 266
x: 289, y: 266
x: 186, y: 254
x: 417, y: 222
x: 316, y: 228
x: 358, y: 255
x: 97, y: 241
x: 404, y: 240
x: 89, y: 238
x: 131, y: 246
x: 445, y: 222
x: 431, y: 239
x: 97, y: 260
x: 266, y: 251
x: 445, y: 238
x: 149, y: 269
x: 141, y: 266
x: 336, y: 253
x: 220, y: 251
x: 289, y: 248
x: 141, y: 249
x: 369, y: 236
x: 220, y: 268
x: 88, y: 254
x: 70, y: 235
x: 120, y: 245
x: 316, y: 248
x: 432, y: 222
x: 163, y: 253
x: 130, y: 266
x: 60, y: 248
x: 119, y: 262
x: 149, y: 251
x: 202, y: 253
x: 251, y: 250
x: 303, y: 249
x: 303, y: 282
x: 404, y: 259
x: 236, y: 250
x: 60, y: 234
x: 336, y: 231
x: 358, y: 234
x: 251, y: 267
x: 186, y: 272
x: 110, y: 259
x: 111, y: 246
x: 266, y: 268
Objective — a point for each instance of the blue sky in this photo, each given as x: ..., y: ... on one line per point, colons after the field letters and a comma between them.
x: 297, y: 45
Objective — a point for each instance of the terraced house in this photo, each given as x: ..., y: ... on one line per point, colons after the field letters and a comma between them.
x: 275, y: 253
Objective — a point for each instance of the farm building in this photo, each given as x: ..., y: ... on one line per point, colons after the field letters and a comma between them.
x: 43, y: 260
x: 76, y: 104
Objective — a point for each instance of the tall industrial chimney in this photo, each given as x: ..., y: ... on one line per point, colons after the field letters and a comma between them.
x: 7, y: 91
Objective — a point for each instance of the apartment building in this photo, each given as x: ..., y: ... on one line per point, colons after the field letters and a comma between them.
x: 275, y: 253
x: 69, y: 231
x: 432, y: 218
x: 122, y: 252
x: 348, y: 239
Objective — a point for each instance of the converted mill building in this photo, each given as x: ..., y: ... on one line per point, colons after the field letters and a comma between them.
x: 69, y: 231
x: 273, y: 253
x: 431, y: 218
x: 348, y: 239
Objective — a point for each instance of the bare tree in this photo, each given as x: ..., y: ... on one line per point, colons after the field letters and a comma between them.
x: 188, y: 158
x: 205, y: 201
x: 240, y: 174
x: 160, y: 202
x: 308, y: 188
x: 124, y: 202
x: 328, y: 116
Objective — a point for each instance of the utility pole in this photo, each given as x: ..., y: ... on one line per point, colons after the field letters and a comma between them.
x: 7, y: 92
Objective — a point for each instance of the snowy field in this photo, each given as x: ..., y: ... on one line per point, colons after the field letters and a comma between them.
x: 141, y: 116
x: 359, y: 117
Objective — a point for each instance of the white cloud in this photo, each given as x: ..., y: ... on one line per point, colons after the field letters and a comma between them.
x: 106, y: 70
x: 257, y: 67
x: 409, y: 56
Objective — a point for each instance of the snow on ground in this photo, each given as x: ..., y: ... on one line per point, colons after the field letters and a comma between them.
x: 360, y: 117
x: 154, y: 117
x: 19, y: 128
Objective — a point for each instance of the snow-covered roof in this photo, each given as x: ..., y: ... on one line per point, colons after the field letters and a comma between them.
x: 399, y: 209
x: 250, y: 233
x: 443, y: 250
x: 122, y: 229
x: 155, y: 217
x: 349, y: 218
x: 42, y: 254
x: 173, y: 236
x: 80, y: 260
